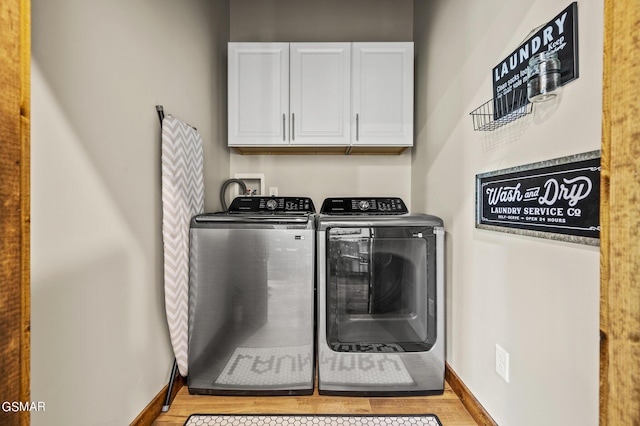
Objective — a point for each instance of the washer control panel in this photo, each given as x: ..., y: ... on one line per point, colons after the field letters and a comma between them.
x: 272, y: 205
x: 361, y: 205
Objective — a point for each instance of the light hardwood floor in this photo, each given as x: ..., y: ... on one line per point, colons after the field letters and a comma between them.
x: 447, y: 406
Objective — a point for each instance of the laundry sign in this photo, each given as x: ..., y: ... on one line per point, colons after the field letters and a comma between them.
x: 510, y: 75
x: 556, y: 199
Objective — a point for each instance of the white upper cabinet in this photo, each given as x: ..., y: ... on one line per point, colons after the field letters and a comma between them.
x: 320, y: 76
x: 382, y: 94
x: 258, y: 94
x: 320, y: 95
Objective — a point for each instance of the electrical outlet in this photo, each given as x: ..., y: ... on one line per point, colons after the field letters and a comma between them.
x: 273, y: 190
x: 502, y: 363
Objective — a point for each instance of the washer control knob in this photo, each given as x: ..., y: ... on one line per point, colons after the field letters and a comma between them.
x: 363, y: 205
x: 272, y: 204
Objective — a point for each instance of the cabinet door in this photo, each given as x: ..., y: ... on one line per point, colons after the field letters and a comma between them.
x: 258, y: 98
x: 382, y: 94
x: 320, y: 93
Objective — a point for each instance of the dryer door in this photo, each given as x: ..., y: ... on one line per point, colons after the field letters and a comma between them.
x: 381, y: 289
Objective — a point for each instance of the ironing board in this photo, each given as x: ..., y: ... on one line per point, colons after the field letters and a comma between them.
x: 182, y: 198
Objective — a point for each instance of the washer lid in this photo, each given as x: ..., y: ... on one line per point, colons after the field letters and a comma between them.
x: 364, y: 205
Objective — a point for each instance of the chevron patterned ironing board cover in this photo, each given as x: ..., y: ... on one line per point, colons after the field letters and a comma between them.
x: 182, y: 198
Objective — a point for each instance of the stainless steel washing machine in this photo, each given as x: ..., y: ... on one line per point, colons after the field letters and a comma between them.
x: 380, y: 299
x: 251, y: 298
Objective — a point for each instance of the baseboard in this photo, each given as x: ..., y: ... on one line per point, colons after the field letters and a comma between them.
x: 154, y: 408
x: 475, y: 409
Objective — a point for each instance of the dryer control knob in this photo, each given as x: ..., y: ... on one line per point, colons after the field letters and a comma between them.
x: 363, y: 205
x: 272, y: 204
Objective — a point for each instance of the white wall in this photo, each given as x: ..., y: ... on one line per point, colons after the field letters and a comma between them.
x: 537, y: 298
x: 100, y: 348
x: 321, y: 176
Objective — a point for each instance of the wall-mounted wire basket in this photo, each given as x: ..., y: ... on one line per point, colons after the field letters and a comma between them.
x: 496, y: 113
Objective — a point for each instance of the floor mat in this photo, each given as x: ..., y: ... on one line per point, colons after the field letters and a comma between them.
x: 343, y: 368
x: 367, y: 347
x: 268, y: 366
x: 306, y: 420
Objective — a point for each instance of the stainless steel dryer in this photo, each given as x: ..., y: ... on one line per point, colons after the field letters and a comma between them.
x: 251, y: 298
x: 380, y: 299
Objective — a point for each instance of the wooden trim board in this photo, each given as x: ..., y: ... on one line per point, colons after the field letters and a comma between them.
x: 620, y: 216
x: 154, y: 408
x: 15, y: 301
x: 473, y: 406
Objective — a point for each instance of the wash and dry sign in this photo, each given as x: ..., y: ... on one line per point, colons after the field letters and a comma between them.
x: 557, y: 199
x: 510, y: 75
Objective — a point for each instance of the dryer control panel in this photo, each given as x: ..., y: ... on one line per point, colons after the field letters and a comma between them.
x: 272, y: 205
x: 362, y: 205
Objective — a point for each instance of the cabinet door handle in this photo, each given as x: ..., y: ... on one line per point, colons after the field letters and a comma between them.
x: 284, y: 127
x: 357, y: 127
x: 293, y: 126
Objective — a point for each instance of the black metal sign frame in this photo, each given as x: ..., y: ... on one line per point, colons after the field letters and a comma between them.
x: 557, y: 199
x: 510, y: 75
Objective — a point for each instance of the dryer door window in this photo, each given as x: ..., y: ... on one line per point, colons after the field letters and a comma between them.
x: 381, y: 289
